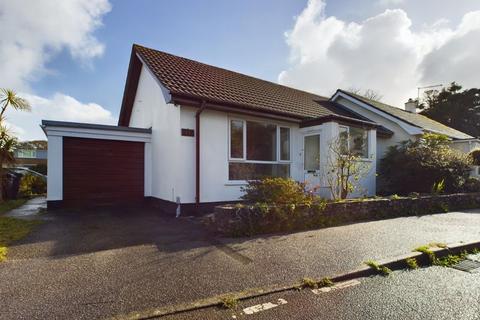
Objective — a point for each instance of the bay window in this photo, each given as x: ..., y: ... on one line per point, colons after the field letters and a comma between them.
x: 258, y: 149
x: 354, y: 140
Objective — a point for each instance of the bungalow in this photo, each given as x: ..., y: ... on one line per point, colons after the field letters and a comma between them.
x: 190, y: 135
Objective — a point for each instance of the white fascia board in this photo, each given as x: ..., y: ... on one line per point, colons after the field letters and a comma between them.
x: 410, y: 129
x: 466, y: 140
x: 98, y: 134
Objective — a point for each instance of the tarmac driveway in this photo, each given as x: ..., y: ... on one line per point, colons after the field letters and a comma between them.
x: 99, y: 263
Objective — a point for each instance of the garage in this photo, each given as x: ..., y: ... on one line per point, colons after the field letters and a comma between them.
x: 98, y: 171
x: 97, y: 165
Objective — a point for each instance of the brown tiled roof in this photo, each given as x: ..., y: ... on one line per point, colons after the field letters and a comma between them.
x: 183, y: 76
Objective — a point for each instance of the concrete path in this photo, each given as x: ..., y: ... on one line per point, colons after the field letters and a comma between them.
x: 98, y: 263
x: 29, y: 210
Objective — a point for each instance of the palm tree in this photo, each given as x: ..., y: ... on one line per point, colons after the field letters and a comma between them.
x: 7, y: 148
x: 8, y: 98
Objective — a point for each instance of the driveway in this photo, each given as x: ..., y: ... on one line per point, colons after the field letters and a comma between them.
x: 88, y: 264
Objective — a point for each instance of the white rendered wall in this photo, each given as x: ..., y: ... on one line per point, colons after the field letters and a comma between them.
x: 329, y: 132
x: 465, y: 146
x: 150, y: 109
x: 214, y: 184
x: 55, y: 168
x: 399, y: 134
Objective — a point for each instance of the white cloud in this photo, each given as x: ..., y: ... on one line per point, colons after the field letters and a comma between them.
x: 33, y: 33
x: 26, y: 125
x: 382, y: 53
x: 386, y: 3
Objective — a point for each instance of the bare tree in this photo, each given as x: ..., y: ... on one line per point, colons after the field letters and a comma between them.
x: 345, y: 170
x: 368, y: 93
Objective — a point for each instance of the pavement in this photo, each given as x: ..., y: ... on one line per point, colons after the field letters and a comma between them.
x: 96, y: 263
x: 430, y: 293
x: 29, y: 210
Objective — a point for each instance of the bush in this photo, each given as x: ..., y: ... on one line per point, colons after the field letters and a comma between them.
x: 276, y: 191
x: 475, y: 155
x: 31, y: 184
x: 276, y: 204
x: 417, y: 166
x: 471, y: 185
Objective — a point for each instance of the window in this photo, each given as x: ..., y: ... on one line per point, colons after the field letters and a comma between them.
x: 312, y: 153
x: 261, y: 141
x: 236, y: 139
x: 355, y: 140
x: 24, y: 153
x: 284, y: 144
x: 258, y: 149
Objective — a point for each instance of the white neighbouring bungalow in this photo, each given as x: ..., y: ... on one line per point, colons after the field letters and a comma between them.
x: 190, y: 135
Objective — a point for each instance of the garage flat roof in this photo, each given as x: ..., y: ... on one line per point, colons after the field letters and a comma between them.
x: 66, y: 124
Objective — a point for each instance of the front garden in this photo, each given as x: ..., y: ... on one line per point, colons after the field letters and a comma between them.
x: 416, y: 178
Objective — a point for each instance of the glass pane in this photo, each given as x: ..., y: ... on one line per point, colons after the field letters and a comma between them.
x: 236, y: 139
x: 284, y: 143
x: 343, y: 140
x: 261, y: 141
x: 359, y: 142
x: 312, y: 153
x: 251, y: 171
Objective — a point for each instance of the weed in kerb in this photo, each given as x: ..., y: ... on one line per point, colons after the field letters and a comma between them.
x: 412, y: 263
x: 326, y: 282
x: 309, y: 283
x: 384, y: 271
x: 229, y: 302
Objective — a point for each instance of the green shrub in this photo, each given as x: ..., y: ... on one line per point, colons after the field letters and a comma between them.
x: 471, y: 185
x: 276, y: 191
x: 31, y: 184
x: 416, y: 166
x: 475, y: 155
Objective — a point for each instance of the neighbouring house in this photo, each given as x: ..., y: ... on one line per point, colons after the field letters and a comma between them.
x: 31, y: 153
x: 190, y: 135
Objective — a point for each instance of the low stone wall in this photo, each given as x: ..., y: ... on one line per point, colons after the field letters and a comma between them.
x: 243, y: 220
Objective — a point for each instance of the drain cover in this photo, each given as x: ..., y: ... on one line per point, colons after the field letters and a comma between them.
x: 468, y: 266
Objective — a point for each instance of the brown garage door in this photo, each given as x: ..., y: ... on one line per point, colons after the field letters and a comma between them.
x: 99, y: 172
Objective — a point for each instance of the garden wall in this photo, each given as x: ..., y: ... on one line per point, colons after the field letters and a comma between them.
x: 243, y: 220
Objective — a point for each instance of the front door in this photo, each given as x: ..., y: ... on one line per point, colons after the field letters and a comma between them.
x: 311, y: 161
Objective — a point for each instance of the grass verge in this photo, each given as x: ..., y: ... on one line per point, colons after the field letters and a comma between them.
x: 11, y: 204
x: 12, y: 229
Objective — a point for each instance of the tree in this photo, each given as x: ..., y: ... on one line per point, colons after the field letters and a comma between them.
x: 7, y: 148
x: 454, y: 108
x: 8, y: 98
x: 345, y: 169
x: 368, y: 93
x: 416, y: 166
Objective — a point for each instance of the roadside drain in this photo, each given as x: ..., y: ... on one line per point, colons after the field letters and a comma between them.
x: 468, y: 266
x: 230, y: 252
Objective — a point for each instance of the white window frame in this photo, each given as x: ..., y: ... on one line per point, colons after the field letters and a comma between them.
x: 348, y: 141
x: 244, y: 158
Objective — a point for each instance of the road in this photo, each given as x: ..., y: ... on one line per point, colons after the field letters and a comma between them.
x: 430, y: 293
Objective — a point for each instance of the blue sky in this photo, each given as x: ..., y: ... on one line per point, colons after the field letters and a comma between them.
x: 70, y: 58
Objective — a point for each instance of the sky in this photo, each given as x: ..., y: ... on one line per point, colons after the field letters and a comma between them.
x: 69, y: 58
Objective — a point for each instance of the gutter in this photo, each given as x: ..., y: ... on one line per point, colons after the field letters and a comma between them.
x: 197, y: 153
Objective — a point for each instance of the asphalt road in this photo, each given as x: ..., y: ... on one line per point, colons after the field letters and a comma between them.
x: 431, y: 293
x: 93, y: 264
